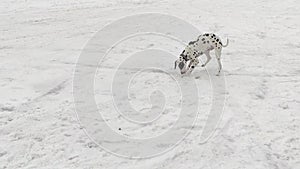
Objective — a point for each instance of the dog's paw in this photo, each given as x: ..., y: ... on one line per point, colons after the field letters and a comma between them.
x: 202, y: 65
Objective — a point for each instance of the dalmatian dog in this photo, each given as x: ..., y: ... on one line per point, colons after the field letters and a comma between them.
x: 188, y: 59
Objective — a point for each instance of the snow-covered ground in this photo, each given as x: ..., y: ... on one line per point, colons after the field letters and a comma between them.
x: 41, y: 41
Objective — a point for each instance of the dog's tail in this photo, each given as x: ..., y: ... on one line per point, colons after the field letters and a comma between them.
x: 227, y: 42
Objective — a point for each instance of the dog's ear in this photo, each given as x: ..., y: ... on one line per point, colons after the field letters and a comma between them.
x: 181, y: 65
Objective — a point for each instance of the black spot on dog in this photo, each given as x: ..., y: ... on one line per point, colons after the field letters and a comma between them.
x: 218, y: 47
x: 217, y: 40
x: 203, y: 39
x: 204, y: 42
x: 206, y: 34
x: 207, y: 41
x: 213, y: 41
x: 220, y: 43
x: 193, y: 67
x: 184, y: 57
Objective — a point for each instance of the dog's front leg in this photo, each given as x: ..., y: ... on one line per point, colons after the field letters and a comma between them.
x: 192, y: 65
x: 218, y: 56
x: 189, y: 66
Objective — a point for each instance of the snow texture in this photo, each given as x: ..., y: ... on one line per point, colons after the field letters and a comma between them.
x: 41, y: 41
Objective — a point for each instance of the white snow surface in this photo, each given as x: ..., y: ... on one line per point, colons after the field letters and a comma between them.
x: 41, y: 41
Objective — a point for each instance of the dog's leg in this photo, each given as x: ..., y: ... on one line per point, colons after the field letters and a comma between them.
x: 218, y: 56
x: 192, y: 65
x: 189, y: 66
x: 208, y: 58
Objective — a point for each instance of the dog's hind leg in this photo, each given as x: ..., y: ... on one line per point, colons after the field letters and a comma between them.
x: 218, y: 56
x: 208, y: 58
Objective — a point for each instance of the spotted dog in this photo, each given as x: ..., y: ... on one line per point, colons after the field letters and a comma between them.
x: 203, y: 45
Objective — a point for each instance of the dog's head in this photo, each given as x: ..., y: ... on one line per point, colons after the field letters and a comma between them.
x: 181, y: 62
